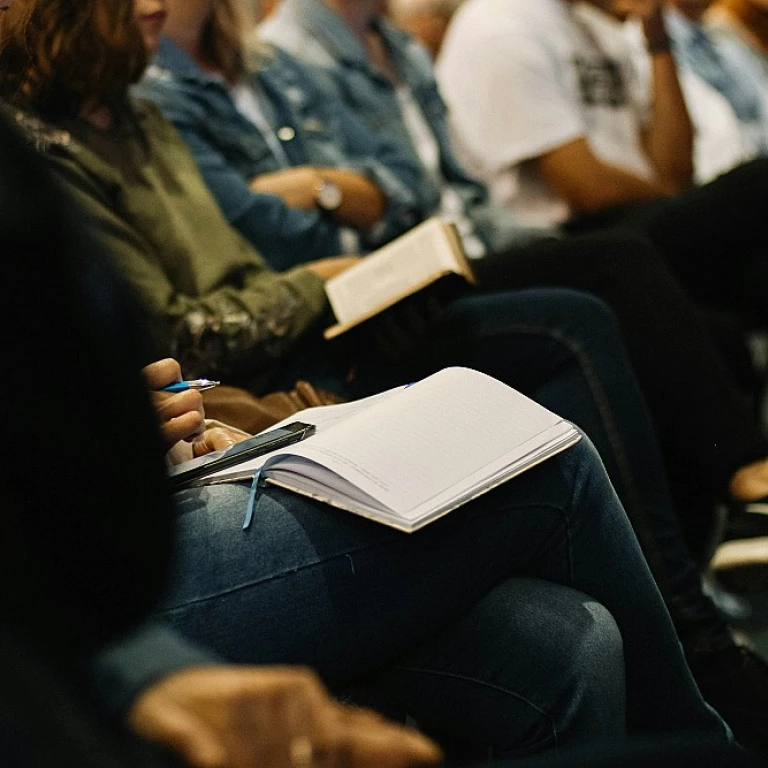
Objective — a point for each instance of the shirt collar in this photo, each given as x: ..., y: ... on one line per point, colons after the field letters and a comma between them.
x: 681, y: 29
x: 324, y: 23
x: 171, y: 59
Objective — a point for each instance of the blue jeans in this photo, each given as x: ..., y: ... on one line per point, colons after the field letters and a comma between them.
x: 474, y: 619
x: 563, y: 349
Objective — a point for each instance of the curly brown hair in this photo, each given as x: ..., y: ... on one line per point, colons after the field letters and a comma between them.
x: 58, y: 56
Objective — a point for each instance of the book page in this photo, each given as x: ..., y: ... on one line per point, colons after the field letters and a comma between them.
x: 433, y: 440
x: 391, y: 272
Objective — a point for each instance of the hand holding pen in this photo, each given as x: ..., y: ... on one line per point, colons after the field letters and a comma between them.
x: 179, y: 407
x: 200, y: 385
x: 181, y: 413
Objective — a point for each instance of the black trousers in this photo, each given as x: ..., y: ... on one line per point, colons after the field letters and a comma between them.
x: 704, y: 422
x: 712, y: 237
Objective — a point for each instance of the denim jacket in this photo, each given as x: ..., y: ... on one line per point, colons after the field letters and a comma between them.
x: 313, y: 130
x: 312, y: 31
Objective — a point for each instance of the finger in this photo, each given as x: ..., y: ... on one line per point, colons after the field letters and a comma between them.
x: 161, y: 373
x: 368, y: 739
x: 211, y: 440
x: 187, y: 736
x: 182, y: 414
x: 185, y: 427
x: 174, y: 405
x: 282, y: 716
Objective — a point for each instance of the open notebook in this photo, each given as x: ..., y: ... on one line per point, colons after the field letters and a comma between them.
x: 410, y: 455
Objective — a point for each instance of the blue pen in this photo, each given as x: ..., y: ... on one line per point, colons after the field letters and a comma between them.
x: 199, y: 384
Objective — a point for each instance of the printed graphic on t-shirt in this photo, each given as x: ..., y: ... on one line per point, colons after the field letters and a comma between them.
x: 601, y: 82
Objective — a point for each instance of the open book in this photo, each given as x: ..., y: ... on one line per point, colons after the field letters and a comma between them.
x: 412, y: 454
x: 408, y: 264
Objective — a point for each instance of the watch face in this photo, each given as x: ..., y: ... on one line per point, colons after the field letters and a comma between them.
x: 329, y: 196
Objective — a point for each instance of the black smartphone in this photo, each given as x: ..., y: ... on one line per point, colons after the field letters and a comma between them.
x: 237, y: 454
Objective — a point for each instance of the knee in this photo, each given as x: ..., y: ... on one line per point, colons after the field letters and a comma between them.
x: 586, y: 311
x: 592, y: 331
x: 591, y: 700
x: 597, y: 651
x: 579, y: 696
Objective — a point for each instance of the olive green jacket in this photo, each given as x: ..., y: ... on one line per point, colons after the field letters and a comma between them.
x: 212, y: 300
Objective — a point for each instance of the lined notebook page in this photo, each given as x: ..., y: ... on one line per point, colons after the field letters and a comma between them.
x: 430, y: 438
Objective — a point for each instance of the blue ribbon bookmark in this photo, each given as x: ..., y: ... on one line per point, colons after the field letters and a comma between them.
x: 255, y: 485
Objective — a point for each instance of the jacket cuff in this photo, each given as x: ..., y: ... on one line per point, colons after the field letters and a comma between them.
x: 310, y: 287
x: 124, y: 669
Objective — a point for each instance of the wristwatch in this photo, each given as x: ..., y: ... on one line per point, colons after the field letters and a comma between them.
x: 328, y: 195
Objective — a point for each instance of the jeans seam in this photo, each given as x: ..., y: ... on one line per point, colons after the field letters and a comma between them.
x: 320, y: 563
x: 486, y: 684
x: 275, y: 577
x: 613, y: 435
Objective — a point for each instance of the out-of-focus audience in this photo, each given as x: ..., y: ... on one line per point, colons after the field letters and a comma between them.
x: 618, y: 141
x: 577, y: 142
x: 426, y: 20
x: 727, y: 104
x: 388, y: 81
x: 743, y: 25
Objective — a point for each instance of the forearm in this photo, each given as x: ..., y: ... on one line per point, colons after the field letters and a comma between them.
x: 235, y: 332
x: 363, y: 203
x: 669, y: 135
x: 612, y: 186
x: 126, y: 668
x: 586, y: 183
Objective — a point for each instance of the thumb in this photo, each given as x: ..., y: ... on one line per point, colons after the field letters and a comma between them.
x: 183, y: 733
x: 212, y: 440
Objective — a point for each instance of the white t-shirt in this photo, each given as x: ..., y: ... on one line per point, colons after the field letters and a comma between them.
x: 523, y: 77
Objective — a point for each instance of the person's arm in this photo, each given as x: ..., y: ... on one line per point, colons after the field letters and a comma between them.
x: 587, y: 183
x: 669, y: 135
x: 240, y: 326
x: 362, y: 202
x: 527, y: 112
x: 345, y: 149
x: 284, y: 235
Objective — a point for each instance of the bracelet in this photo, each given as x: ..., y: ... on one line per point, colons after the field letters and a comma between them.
x: 659, y: 45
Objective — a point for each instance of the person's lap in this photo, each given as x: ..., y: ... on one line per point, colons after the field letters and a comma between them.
x: 312, y: 585
x: 244, y: 589
x: 562, y: 348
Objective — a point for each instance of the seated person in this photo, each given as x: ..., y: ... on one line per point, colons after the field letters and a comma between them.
x: 87, y: 538
x: 86, y: 572
x: 723, y: 102
x: 212, y: 300
x: 294, y: 171
x: 241, y: 591
x: 572, y: 142
x: 671, y: 349
x: 733, y: 76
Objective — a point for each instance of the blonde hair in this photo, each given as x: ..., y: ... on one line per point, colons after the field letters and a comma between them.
x: 221, y: 44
